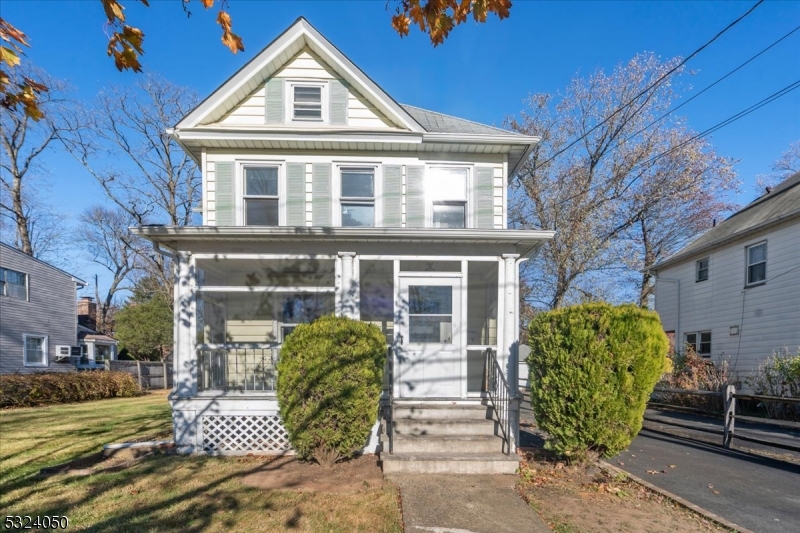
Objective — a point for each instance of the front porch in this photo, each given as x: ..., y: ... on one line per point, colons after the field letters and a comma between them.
x: 442, y: 303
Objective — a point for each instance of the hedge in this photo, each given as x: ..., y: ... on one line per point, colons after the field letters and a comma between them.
x: 47, y: 388
x: 330, y: 376
x: 593, y: 367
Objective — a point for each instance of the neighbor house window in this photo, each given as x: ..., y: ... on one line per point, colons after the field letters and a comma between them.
x: 357, y: 197
x: 13, y: 284
x: 307, y: 102
x: 756, y: 263
x: 35, y: 350
x: 701, y: 271
x: 261, y: 196
x: 699, y: 342
x: 446, y: 189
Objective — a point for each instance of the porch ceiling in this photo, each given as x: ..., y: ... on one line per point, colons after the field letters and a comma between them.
x: 523, y: 242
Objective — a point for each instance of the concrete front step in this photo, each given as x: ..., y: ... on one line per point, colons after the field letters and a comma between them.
x: 441, y: 411
x: 438, y: 443
x: 449, y: 463
x: 451, y: 426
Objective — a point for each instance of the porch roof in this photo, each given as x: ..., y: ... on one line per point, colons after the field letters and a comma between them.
x: 525, y: 242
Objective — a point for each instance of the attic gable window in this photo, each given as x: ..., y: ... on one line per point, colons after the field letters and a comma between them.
x: 307, y: 102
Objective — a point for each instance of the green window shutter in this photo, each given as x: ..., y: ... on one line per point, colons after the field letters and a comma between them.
x: 415, y: 196
x: 295, y: 194
x: 483, y: 197
x: 321, y: 194
x: 392, y: 196
x: 273, y: 101
x: 224, y: 194
x: 338, y: 102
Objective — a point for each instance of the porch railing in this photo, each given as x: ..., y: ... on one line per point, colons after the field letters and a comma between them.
x: 387, y: 401
x: 499, y: 394
x: 225, y: 368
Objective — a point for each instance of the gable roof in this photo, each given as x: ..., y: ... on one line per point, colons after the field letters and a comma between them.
x: 5, y: 248
x: 780, y: 204
x: 434, y: 122
x: 277, y: 53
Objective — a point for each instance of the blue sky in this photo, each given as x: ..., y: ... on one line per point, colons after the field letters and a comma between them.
x: 482, y: 72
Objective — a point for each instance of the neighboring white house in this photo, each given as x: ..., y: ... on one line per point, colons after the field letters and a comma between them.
x: 735, y: 291
x: 322, y: 194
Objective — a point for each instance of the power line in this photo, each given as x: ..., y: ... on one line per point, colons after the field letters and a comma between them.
x: 654, y: 84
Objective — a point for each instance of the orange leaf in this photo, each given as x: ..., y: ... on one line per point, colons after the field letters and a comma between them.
x: 207, y: 3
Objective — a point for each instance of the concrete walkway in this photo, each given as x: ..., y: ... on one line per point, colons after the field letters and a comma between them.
x: 465, y: 504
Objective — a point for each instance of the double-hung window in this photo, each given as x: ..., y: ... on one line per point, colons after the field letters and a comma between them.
x: 35, y: 350
x: 699, y: 342
x: 13, y: 284
x: 357, y: 197
x: 701, y: 270
x: 446, y: 190
x: 261, y: 206
x: 307, y: 102
x: 756, y: 263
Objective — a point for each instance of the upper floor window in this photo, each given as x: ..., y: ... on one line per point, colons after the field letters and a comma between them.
x: 701, y: 270
x: 357, y: 197
x: 699, y: 342
x: 446, y: 190
x: 756, y: 263
x: 13, y: 284
x: 307, y: 102
x: 261, y: 206
x: 35, y: 348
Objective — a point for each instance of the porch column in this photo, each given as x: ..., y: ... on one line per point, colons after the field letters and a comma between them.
x: 510, y: 346
x: 349, y: 289
x: 184, y: 359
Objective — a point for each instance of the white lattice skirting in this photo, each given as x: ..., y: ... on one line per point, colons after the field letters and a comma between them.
x: 244, y: 433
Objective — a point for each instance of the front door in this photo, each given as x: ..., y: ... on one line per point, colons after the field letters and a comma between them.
x: 429, y: 347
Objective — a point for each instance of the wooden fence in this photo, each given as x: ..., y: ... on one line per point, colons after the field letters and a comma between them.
x: 729, y: 396
x: 149, y: 374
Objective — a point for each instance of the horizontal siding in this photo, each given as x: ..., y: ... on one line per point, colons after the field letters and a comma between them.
x: 332, y: 157
x: 51, y: 310
x: 768, y: 316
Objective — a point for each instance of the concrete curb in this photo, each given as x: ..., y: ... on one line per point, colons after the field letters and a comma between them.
x: 674, y: 497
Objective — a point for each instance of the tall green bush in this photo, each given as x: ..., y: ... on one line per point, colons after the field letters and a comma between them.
x: 329, y: 384
x: 593, y: 367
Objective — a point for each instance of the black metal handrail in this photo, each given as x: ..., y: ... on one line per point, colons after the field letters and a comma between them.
x: 500, y: 397
x: 390, y: 402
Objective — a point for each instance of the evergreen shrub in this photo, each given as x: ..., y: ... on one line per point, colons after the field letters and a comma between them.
x: 593, y: 368
x: 48, y: 388
x: 330, y: 376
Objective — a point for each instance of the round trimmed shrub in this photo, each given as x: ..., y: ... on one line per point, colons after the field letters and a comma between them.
x: 330, y: 376
x: 593, y: 368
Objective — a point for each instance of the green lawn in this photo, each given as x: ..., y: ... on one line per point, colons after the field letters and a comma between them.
x: 163, y: 493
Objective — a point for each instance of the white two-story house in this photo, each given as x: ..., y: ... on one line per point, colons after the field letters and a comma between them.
x: 322, y: 194
x: 735, y: 291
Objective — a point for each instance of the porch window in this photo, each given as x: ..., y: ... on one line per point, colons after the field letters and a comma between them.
x: 13, y: 284
x: 446, y: 189
x: 301, y: 309
x: 376, y: 295
x: 357, y: 197
x: 261, y: 196
x: 103, y: 352
x: 482, y: 291
x: 430, y: 314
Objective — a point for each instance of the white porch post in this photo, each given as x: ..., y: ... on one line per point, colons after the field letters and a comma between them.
x: 508, y: 356
x: 184, y: 360
x: 349, y: 288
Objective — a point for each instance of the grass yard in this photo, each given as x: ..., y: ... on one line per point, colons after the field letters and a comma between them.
x: 165, y: 492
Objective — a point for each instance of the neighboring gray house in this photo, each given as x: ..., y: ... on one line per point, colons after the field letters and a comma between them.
x: 735, y: 291
x: 38, y: 315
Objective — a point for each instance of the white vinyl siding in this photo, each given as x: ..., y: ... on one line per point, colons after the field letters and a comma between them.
x: 767, y: 315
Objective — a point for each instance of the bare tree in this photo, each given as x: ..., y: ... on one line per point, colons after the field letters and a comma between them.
x: 143, y: 171
x: 632, y: 159
x: 105, y: 234
x: 27, y: 221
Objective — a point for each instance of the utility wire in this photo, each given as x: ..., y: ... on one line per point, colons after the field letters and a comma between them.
x: 654, y: 84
